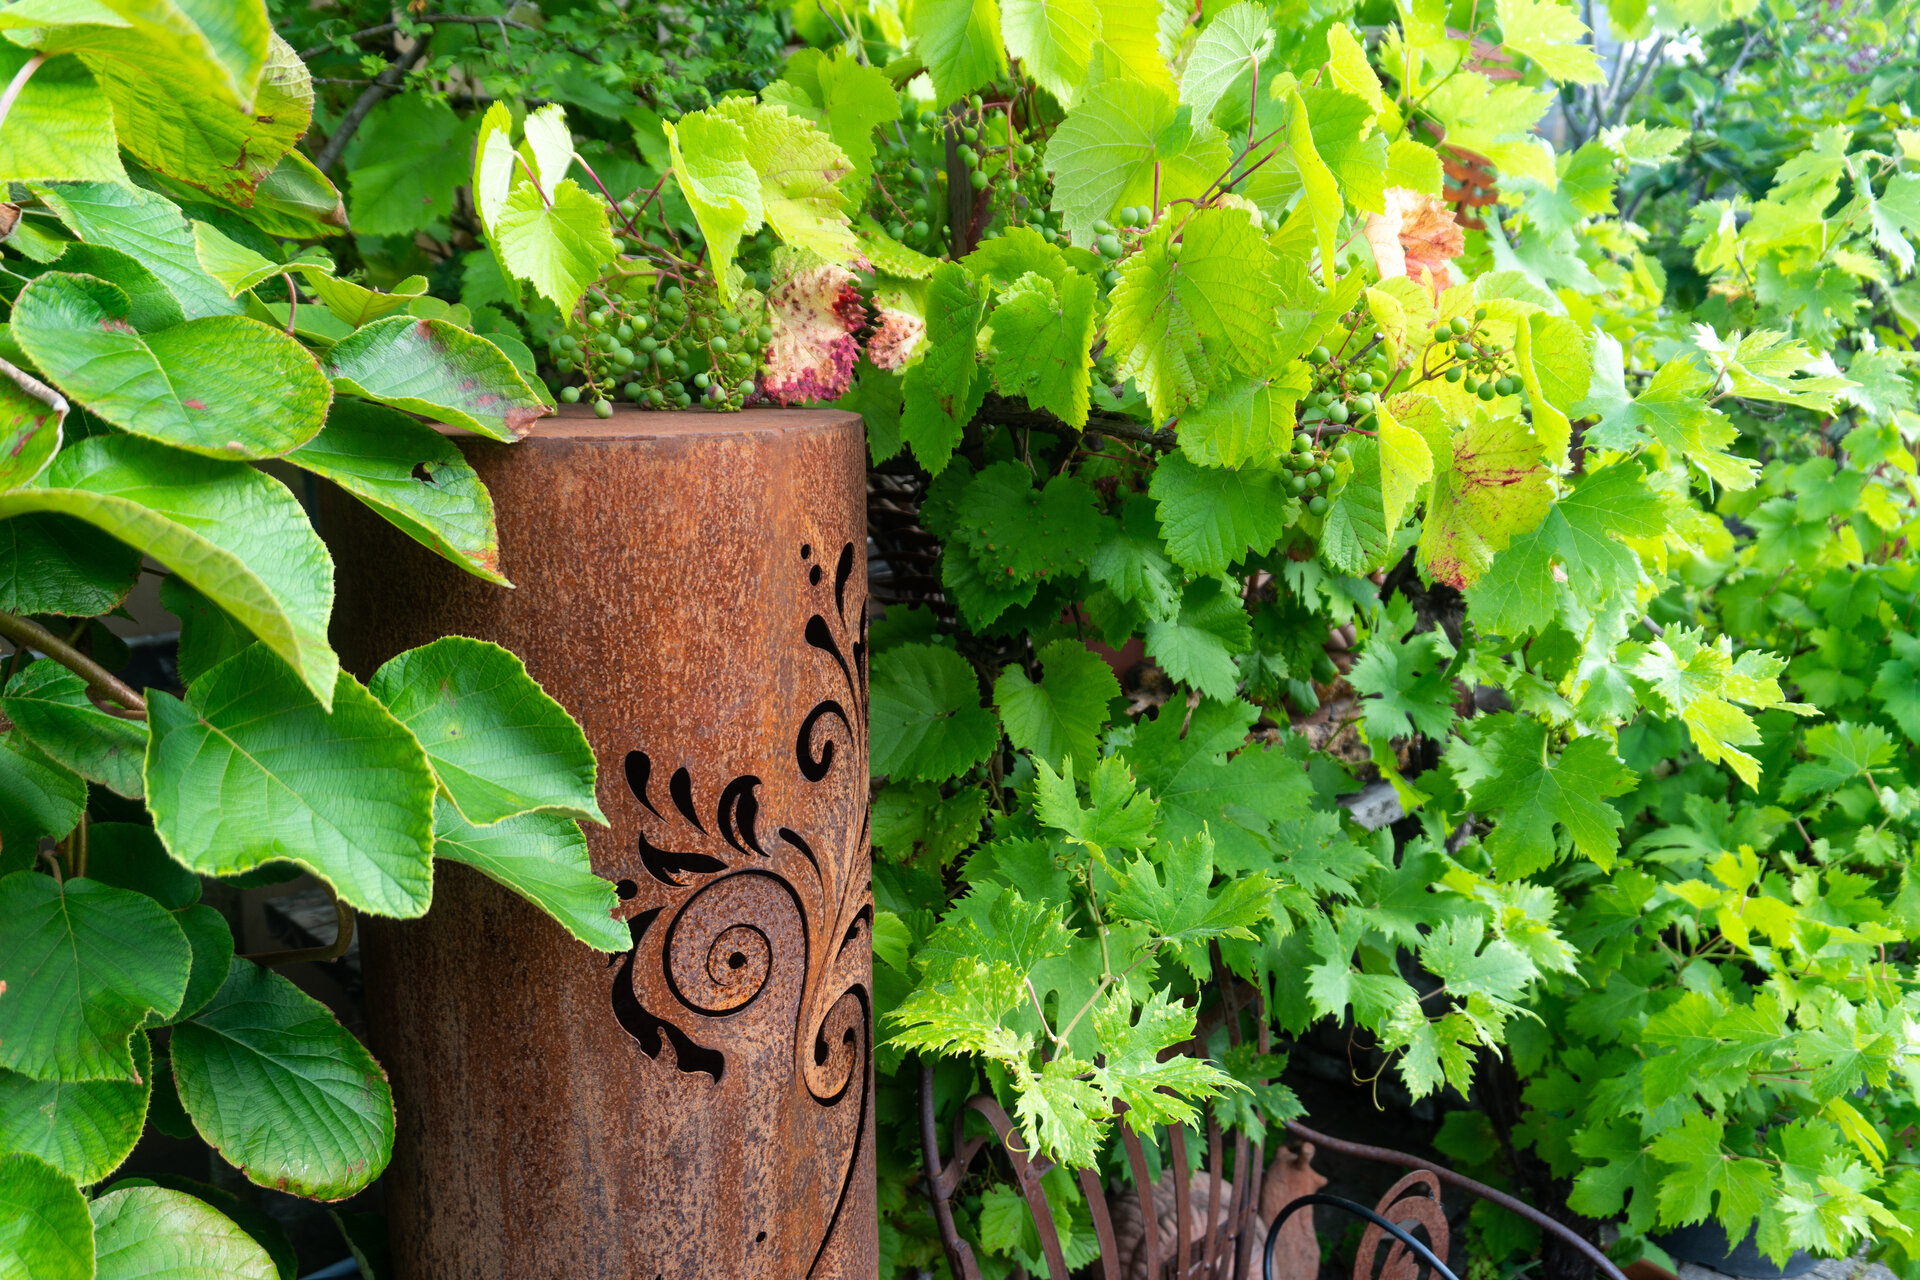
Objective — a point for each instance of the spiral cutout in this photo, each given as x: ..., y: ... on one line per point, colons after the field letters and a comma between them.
x: 839, y: 1048
x: 718, y: 955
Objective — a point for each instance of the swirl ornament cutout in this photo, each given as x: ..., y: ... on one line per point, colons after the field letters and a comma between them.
x: 751, y: 917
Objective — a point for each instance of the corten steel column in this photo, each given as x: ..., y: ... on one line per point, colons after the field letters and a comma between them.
x: 693, y: 588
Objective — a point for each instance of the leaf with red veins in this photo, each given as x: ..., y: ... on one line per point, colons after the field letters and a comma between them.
x: 1496, y: 489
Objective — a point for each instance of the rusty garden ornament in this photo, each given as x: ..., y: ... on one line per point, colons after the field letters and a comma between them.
x: 693, y: 588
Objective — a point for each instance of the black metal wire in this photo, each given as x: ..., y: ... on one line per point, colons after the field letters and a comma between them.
x: 1359, y: 1210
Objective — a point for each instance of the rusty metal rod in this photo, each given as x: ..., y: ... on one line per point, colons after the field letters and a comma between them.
x: 1387, y: 1155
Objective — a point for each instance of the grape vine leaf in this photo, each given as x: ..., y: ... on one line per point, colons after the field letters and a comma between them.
x: 1702, y: 683
x: 1041, y: 338
x: 1555, y: 360
x: 710, y: 167
x: 1840, y: 752
x: 1184, y: 316
x: 1404, y: 683
x: 1120, y: 132
x: 959, y: 40
x: 1061, y: 715
x: 1247, y: 421
x: 1535, y: 793
x: 800, y: 169
x: 926, y: 714
x: 1897, y: 685
x: 1495, y: 488
x: 1581, y: 532
x: 1673, y: 412
x: 1170, y: 891
x: 559, y: 242
x: 1158, y: 1087
x: 1229, y: 49
x: 1197, y: 647
x: 1212, y: 517
x: 940, y: 395
x: 1549, y: 33
x: 1742, y: 1186
x: 1119, y: 815
x: 1021, y: 532
x: 1204, y: 767
x: 1356, y: 534
x: 1054, y: 41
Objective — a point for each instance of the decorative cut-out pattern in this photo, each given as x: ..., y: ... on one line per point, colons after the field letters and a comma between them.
x: 734, y: 926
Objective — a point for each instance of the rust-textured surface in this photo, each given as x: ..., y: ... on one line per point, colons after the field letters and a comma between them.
x: 693, y: 588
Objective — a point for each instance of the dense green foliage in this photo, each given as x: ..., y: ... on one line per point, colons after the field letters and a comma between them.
x: 1162, y: 326
x: 172, y: 329
x: 1586, y: 531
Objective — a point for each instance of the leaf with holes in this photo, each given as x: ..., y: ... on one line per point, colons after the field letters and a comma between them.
x: 225, y: 386
x: 414, y: 476
x: 499, y: 746
x: 439, y: 370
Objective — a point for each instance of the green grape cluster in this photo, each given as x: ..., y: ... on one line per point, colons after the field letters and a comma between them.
x: 909, y: 192
x: 1479, y: 364
x: 662, y: 348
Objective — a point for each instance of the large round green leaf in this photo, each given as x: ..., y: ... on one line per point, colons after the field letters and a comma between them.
x: 499, y: 745
x: 151, y: 1233
x: 281, y: 1089
x: 61, y: 126
x: 437, y: 369
x: 225, y: 386
x: 38, y: 797
x: 49, y: 707
x: 249, y: 769
x: 83, y: 963
x: 145, y: 225
x: 45, y: 1233
x: 231, y: 531
x: 412, y: 475
x: 56, y: 564
x: 84, y: 1130
x: 250, y: 1218
x: 543, y: 858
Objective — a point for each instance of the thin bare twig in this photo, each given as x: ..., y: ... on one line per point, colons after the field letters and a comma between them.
x: 383, y: 84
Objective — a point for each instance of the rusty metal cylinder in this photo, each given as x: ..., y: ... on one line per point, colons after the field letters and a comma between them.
x: 692, y: 587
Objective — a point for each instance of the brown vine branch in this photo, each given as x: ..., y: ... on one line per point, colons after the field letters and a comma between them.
x: 28, y: 634
x: 383, y: 84
x: 1387, y: 1155
x: 431, y: 20
x: 1004, y: 412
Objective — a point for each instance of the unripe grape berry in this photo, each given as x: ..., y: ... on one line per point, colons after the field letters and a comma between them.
x: 602, y: 408
x: 1479, y: 313
x: 1319, y: 505
x: 1463, y: 350
x: 1302, y: 442
x: 700, y: 380
x: 920, y: 229
x: 1338, y: 413
x: 598, y: 319
x: 978, y: 180
x: 976, y: 102
x: 764, y: 333
x: 1297, y: 484
x: 570, y: 395
x: 633, y: 391
x: 1456, y: 373
x: 1340, y: 453
x: 719, y: 344
x: 1319, y: 355
x: 1023, y: 154
x: 1109, y: 246
x: 628, y: 208
x: 1458, y: 324
x: 1486, y: 391
x: 1470, y: 385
